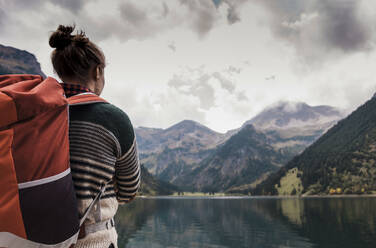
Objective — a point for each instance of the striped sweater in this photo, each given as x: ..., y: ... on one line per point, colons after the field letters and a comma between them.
x: 102, y: 147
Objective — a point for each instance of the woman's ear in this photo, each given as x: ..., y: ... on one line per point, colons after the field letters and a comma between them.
x: 98, y: 72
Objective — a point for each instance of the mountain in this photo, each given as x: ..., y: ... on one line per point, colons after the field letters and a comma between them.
x: 285, y: 115
x: 188, y: 154
x: 152, y: 186
x: 292, y: 126
x: 15, y: 61
x: 173, y: 152
x: 185, y: 132
x: 241, y: 160
x: 341, y: 161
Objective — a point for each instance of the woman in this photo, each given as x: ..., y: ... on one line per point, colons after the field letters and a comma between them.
x: 102, y: 140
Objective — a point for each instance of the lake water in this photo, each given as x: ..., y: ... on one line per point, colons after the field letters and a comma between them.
x: 248, y: 222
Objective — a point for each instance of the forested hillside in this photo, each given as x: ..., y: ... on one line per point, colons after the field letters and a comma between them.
x: 341, y: 161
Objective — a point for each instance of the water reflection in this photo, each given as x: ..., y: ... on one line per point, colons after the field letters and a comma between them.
x: 248, y: 222
x: 343, y: 222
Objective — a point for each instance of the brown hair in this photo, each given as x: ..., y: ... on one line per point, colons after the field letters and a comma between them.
x: 75, y: 56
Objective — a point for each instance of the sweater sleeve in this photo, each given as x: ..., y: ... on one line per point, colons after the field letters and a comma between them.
x: 127, y: 178
x: 127, y: 175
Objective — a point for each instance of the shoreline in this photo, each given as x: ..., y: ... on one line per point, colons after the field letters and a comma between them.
x: 253, y: 197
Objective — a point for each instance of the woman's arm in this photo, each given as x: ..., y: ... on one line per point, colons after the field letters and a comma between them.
x: 127, y: 175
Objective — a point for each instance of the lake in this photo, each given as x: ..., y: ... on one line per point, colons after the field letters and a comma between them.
x: 248, y: 222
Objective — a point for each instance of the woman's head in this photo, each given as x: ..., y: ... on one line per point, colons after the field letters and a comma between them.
x: 76, y: 59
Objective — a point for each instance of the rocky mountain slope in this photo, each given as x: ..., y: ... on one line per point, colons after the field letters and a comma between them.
x: 151, y: 186
x: 241, y: 160
x: 15, y: 61
x: 172, y: 152
x: 341, y: 161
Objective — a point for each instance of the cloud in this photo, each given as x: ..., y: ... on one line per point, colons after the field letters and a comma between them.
x: 233, y: 9
x: 343, y: 25
x: 172, y: 47
x: 33, y: 5
x: 142, y: 20
x: 195, y: 85
x: 128, y: 19
x: 232, y: 15
x: 241, y: 96
x: 133, y: 14
x: 2, y: 17
x: 74, y: 6
x: 203, y: 15
x: 272, y: 77
x: 204, y: 85
x: 206, y: 96
x: 320, y: 30
x: 146, y: 19
x: 224, y: 82
x: 27, y: 4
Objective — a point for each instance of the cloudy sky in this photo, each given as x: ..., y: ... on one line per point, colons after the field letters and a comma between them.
x: 218, y: 62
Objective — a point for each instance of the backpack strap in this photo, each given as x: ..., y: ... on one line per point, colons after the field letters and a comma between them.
x: 84, y: 98
x: 96, y: 199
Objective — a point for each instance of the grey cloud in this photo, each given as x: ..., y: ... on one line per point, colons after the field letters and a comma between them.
x: 272, y: 77
x: 198, y: 87
x: 25, y: 4
x: 136, y: 19
x: 132, y: 14
x: 34, y: 5
x: 225, y: 83
x: 234, y: 6
x: 343, y: 25
x: 233, y: 14
x: 199, y: 84
x: 233, y: 69
x: 2, y: 18
x: 203, y: 13
x: 73, y: 5
x: 172, y: 47
x: 166, y: 10
x: 241, y: 96
x: 318, y: 29
x: 135, y: 22
x: 144, y: 22
x: 217, y: 3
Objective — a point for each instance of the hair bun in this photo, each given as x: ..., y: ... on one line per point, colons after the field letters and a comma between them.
x: 61, y: 37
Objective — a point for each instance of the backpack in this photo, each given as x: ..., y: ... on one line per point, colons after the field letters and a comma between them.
x: 38, y: 206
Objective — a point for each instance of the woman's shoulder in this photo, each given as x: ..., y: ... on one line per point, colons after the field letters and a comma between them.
x: 114, y: 113
x: 110, y: 117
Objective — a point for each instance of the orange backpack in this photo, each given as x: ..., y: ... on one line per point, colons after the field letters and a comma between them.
x: 38, y: 206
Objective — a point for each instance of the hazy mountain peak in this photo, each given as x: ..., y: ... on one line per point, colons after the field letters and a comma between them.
x: 189, y: 126
x: 283, y: 114
x: 287, y: 106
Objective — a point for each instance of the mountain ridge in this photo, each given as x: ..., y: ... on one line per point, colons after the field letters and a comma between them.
x: 176, y: 153
x: 16, y: 61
